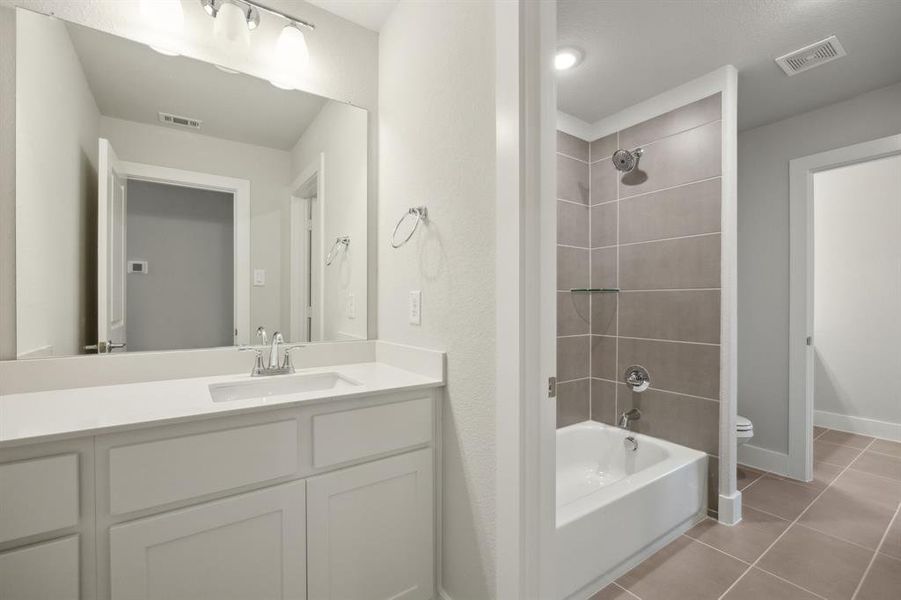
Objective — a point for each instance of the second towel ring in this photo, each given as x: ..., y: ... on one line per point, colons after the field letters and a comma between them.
x: 341, y: 240
x: 422, y: 216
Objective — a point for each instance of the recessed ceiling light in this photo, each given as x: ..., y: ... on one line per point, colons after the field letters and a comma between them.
x: 567, y: 58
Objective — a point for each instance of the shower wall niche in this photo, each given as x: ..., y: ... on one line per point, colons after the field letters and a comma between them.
x: 654, y: 234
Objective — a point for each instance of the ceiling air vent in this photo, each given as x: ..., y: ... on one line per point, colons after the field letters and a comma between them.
x: 171, y: 119
x: 811, y: 56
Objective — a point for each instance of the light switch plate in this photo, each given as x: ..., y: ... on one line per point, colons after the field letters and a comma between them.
x: 350, y: 307
x: 259, y: 277
x: 415, y: 307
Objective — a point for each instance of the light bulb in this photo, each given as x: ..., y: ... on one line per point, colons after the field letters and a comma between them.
x: 291, y: 58
x: 567, y: 58
x: 166, y: 20
x: 231, y: 25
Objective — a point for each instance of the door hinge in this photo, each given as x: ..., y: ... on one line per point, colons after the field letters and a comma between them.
x: 551, y: 387
x: 810, y: 340
x: 309, y: 224
x: 308, y: 311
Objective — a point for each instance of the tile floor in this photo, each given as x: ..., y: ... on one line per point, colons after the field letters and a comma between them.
x: 837, y: 537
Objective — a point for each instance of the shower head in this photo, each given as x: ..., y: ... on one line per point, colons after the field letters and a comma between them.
x: 625, y: 161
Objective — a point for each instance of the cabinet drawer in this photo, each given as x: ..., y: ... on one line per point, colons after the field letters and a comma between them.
x: 354, y: 434
x: 159, y: 472
x: 42, y: 571
x: 38, y: 495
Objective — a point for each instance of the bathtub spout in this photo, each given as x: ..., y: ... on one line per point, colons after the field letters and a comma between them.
x: 629, y: 416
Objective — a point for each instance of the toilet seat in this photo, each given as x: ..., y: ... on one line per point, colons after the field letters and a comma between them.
x: 744, y: 428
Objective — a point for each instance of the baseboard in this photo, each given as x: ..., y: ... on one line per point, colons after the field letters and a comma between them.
x: 872, y: 427
x: 729, y: 509
x: 764, y: 460
x: 590, y: 589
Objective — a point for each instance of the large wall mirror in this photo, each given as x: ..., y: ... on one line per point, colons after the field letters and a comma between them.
x: 164, y: 203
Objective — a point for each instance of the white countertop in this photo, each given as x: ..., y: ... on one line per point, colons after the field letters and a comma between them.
x: 57, y: 414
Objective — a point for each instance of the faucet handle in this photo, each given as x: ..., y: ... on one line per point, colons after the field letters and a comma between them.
x: 258, y: 361
x: 286, y: 361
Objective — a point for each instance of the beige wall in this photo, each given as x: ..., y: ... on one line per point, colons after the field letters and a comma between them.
x: 437, y: 137
x: 763, y: 243
x: 338, y: 132
x: 655, y: 234
x: 56, y: 192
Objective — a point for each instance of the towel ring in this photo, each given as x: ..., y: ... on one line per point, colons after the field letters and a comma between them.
x: 340, y: 241
x: 422, y: 216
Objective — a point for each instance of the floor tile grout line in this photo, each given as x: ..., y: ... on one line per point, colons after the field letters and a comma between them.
x: 787, y: 529
x: 821, y: 434
x: 833, y: 536
x: 885, y: 477
x: 625, y: 590
x: 720, y: 550
x: 791, y: 583
x: 866, y: 571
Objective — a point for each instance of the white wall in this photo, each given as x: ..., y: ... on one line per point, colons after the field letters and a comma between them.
x: 56, y: 191
x: 338, y: 131
x: 267, y: 169
x: 763, y: 243
x: 437, y: 140
x: 857, y: 290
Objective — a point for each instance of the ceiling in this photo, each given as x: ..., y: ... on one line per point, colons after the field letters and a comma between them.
x: 636, y: 49
x: 131, y: 81
x: 370, y: 14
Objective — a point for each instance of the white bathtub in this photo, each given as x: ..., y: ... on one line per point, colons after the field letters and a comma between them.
x: 615, y: 506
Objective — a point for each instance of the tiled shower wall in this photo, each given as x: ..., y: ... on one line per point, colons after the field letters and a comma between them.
x: 655, y: 234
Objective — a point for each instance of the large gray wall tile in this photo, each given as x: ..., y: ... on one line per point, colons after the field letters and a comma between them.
x: 688, y: 316
x: 674, y: 366
x: 603, y: 313
x: 692, y: 422
x: 573, y: 313
x: 572, y: 224
x: 572, y: 268
x: 692, y: 262
x: 603, y: 147
x: 603, y: 182
x: 603, y: 357
x: 604, y: 224
x: 572, y: 357
x: 685, y: 157
x: 603, y: 401
x: 572, y: 146
x: 572, y: 179
x: 603, y: 268
x: 573, y: 402
x: 681, y: 119
x: 686, y: 210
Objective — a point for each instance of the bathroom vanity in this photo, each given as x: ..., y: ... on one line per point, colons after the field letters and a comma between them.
x: 318, y: 485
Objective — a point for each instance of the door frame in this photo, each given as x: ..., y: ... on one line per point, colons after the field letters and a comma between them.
x: 297, y: 252
x: 240, y: 190
x: 801, y: 292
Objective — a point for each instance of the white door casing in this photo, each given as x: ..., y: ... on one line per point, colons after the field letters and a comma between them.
x: 111, y: 249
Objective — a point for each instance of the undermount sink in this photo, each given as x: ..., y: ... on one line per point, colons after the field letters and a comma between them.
x: 279, y: 385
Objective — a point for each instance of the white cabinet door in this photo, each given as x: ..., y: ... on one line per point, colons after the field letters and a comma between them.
x: 41, y: 571
x: 246, y: 546
x: 370, y: 531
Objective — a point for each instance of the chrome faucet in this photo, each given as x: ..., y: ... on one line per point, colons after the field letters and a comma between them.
x: 273, y: 367
x: 627, y: 417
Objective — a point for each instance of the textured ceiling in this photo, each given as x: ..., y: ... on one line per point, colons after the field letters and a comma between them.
x: 636, y: 49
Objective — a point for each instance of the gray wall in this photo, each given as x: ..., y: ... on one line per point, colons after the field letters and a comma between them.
x: 186, y: 299
x: 763, y: 243
x: 654, y: 233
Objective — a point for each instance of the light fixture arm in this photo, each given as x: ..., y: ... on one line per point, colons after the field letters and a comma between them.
x: 252, y: 12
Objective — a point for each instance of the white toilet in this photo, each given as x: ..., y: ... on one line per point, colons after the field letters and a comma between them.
x: 744, y: 429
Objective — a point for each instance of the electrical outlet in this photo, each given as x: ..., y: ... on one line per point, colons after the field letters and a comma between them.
x: 415, y: 307
x: 259, y: 277
x: 350, y: 307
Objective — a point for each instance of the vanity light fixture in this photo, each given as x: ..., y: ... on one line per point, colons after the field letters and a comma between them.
x: 567, y: 58
x: 240, y: 17
x: 166, y: 20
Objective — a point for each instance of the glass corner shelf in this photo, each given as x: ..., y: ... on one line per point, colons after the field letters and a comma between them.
x: 594, y: 290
